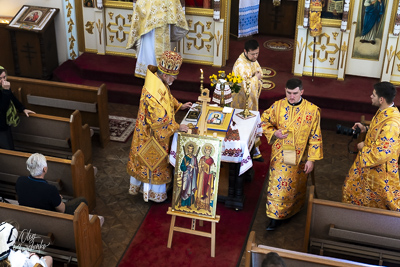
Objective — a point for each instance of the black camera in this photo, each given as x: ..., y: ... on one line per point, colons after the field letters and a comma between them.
x: 347, y: 131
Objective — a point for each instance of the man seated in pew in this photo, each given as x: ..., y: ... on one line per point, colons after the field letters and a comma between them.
x: 273, y: 260
x: 6, y: 119
x: 373, y: 179
x: 34, y: 191
x: 16, y: 258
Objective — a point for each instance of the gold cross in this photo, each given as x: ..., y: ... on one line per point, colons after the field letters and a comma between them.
x: 162, y: 94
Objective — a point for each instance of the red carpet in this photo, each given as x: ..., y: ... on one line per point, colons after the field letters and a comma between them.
x: 149, y: 245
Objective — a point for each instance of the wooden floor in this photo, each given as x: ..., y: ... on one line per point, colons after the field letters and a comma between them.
x: 123, y: 213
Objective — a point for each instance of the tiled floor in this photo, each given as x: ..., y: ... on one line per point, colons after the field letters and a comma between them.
x: 123, y: 213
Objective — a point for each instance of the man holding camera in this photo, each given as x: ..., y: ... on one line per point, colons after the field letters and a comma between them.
x: 373, y: 179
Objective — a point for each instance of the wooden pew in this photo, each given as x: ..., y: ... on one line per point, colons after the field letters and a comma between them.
x: 350, y: 230
x: 75, y: 238
x: 255, y: 254
x: 58, y: 99
x: 72, y: 177
x: 53, y: 136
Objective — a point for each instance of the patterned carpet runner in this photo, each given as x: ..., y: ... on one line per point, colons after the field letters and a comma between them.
x: 121, y: 128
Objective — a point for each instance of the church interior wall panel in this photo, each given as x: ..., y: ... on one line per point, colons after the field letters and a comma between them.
x: 299, y: 51
x: 395, y: 73
x: 90, y: 29
x: 199, y: 44
x: 70, y: 23
x: 117, y: 27
x: 10, y: 8
x: 338, y: 63
x: 327, y: 53
x: 343, y: 54
x: 390, y: 57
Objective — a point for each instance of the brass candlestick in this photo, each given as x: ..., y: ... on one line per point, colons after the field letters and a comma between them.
x: 246, y: 111
x: 246, y: 114
x: 201, y: 81
x: 222, y: 102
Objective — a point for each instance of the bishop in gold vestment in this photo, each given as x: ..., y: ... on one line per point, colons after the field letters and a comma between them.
x: 373, y: 179
x: 294, y: 123
x: 156, y: 117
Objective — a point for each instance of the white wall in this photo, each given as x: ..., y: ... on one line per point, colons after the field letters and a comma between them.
x: 10, y: 8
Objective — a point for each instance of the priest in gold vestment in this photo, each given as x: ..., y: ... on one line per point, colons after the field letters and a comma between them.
x: 155, y: 24
x: 292, y: 126
x: 373, y: 179
x: 156, y: 117
x: 248, y: 68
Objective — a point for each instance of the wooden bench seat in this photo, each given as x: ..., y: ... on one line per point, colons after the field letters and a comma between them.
x: 346, y: 230
x: 72, y: 177
x: 58, y: 99
x: 255, y: 254
x: 67, y: 238
x: 53, y: 136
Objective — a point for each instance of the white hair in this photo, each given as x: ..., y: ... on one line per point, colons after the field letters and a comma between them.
x: 35, y: 164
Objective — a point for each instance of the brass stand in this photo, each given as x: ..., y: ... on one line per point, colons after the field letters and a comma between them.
x: 246, y: 114
x: 201, y: 81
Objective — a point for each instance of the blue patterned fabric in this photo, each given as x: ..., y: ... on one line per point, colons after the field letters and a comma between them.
x: 248, y: 17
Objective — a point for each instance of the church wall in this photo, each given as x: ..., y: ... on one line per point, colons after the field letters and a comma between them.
x: 340, y: 49
x: 10, y: 8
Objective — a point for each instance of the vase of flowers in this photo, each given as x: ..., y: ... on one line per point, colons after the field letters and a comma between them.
x: 224, y: 86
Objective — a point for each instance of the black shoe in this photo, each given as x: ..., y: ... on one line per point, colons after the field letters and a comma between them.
x: 260, y: 159
x: 273, y: 224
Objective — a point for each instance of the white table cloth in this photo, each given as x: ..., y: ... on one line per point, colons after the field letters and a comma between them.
x: 235, y: 151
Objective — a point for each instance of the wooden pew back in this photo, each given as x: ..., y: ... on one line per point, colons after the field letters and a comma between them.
x: 54, y: 136
x: 255, y: 254
x: 72, y: 233
x: 58, y: 99
x: 75, y: 178
x: 352, y: 230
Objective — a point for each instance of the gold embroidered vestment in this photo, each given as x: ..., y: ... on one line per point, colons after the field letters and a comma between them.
x: 156, y: 116
x: 373, y: 179
x: 288, y: 183
x: 247, y: 69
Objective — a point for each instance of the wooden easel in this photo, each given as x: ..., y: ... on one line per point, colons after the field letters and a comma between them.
x: 202, y: 130
x: 204, y: 98
x: 192, y: 230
